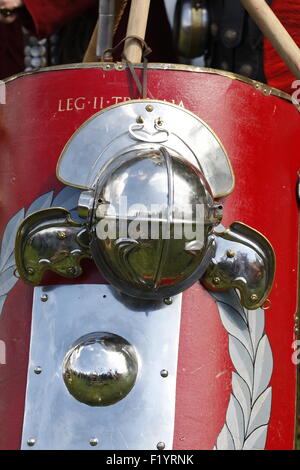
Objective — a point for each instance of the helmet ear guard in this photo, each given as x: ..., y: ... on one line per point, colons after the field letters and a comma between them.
x: 49, y: 240
x: 153, y: 154
x: 244, y: 260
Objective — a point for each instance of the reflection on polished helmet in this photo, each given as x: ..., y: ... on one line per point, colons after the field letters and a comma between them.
x: 151, y: 175
x: 151, y: 223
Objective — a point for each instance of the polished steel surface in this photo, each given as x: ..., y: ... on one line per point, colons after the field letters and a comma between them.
x: 50, y: 240
x: 244, y: 260
x: 191, y: 28
x: 159, y: 243
x: 86, y: 204
x: 140, y: 420
x: 106, y: 26
x: 183, y: 133
x: 100, y: 369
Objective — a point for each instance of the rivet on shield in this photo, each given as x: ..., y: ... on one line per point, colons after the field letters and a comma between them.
x: 38, y: 370
x: 94, y: 442
x: 31, y: 442
x: 149, y: 108
x: 161, y: 446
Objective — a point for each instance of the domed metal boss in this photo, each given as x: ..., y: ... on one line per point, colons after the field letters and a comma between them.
x: 100, y: 369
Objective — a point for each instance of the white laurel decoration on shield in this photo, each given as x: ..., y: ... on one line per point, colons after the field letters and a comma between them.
x: 67, y: 198
x: 249, y: 408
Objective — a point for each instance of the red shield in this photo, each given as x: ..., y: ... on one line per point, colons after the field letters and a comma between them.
x: 259, y: 128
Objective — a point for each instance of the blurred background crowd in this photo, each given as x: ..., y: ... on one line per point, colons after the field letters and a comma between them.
x: 36, y: 34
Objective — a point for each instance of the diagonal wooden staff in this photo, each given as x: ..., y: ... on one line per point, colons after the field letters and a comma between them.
x: 137, y: 25
x: 273, y: 29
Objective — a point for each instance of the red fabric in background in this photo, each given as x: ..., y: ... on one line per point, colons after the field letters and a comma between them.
x: 277, y: 73
x: 11, y: 49
x: 50, y: 16
x: 44, y: 17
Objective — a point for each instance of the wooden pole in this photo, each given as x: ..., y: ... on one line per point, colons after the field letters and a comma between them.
x: 272, y: 28
x: 137, y: 24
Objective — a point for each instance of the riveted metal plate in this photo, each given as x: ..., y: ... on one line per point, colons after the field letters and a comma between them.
x: 54, y: 419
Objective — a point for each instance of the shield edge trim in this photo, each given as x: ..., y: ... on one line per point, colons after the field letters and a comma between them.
x: 265, y: 89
